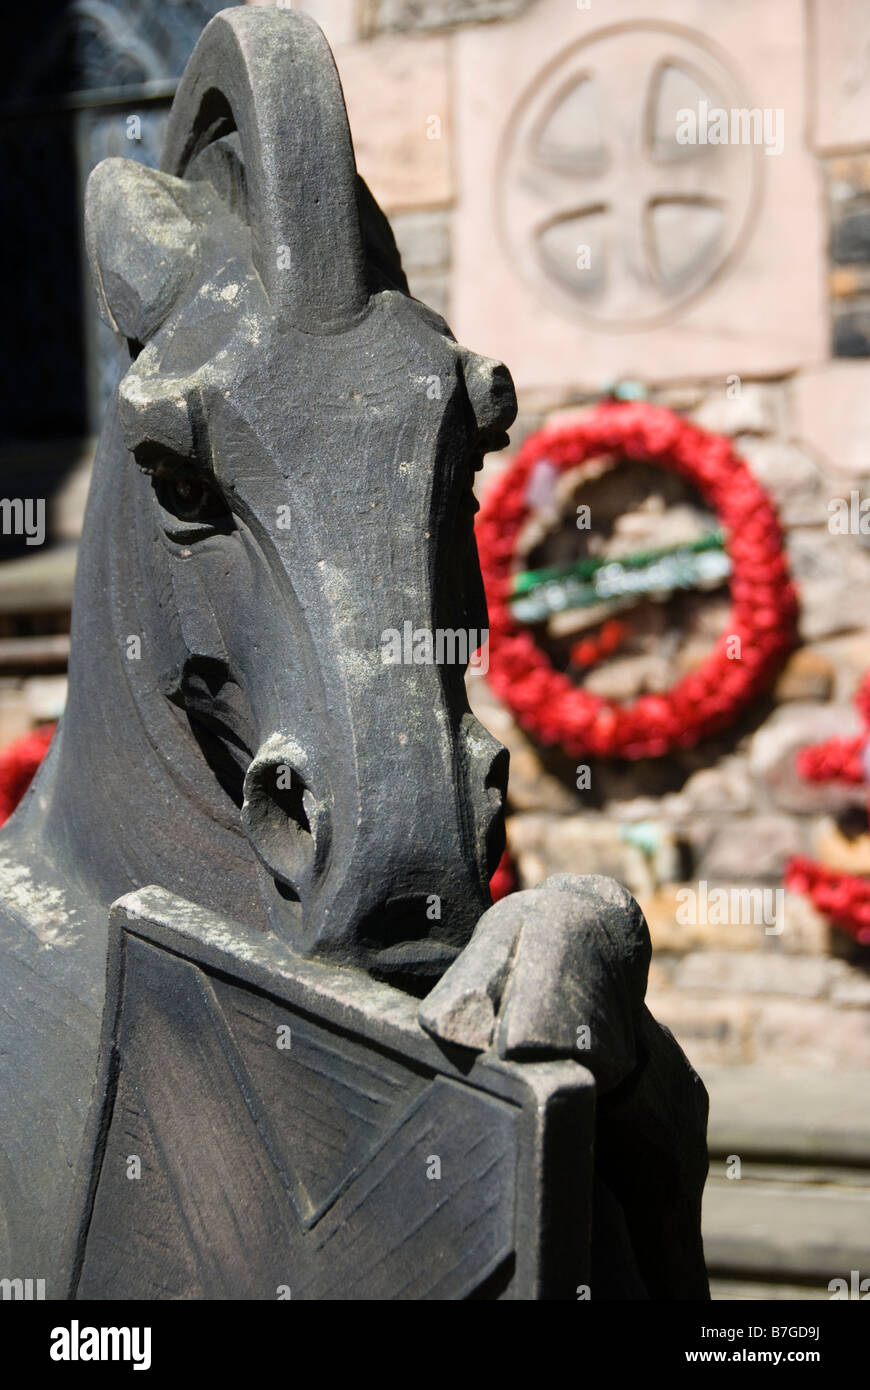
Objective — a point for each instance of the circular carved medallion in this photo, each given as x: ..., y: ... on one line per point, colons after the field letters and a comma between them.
x: 601, y: 205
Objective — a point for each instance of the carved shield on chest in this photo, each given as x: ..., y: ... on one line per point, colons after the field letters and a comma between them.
x: 269, y: 1127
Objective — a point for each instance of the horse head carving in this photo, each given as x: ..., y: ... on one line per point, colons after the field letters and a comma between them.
x: 284, y: 478
x: 298, y: 440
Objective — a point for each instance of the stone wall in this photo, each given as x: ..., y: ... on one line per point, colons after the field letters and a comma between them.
x: 736, y: 288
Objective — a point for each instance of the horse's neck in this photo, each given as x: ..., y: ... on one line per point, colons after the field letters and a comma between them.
x: 126, y: 798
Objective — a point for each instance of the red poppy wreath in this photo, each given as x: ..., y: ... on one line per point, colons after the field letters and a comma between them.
x: 546, y: 701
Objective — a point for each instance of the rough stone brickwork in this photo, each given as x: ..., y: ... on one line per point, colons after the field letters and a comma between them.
x: 731, y: 811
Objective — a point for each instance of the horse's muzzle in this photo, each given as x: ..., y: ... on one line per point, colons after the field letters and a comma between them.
x: 395, y: 889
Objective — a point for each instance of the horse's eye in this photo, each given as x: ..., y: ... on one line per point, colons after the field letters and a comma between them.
x: 189, y: 498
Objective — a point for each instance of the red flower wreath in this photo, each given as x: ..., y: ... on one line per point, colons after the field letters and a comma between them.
x: 546, y: 702
x: 18, y: 763
x: 844, y: 898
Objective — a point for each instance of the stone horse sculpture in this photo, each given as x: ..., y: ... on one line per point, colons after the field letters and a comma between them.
x: 276, y: 486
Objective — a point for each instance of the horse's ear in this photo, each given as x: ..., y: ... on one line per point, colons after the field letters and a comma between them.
x: 141, y: 238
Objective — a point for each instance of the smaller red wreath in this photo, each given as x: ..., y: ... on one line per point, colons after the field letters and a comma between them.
x: 844, y: 898
x: 763, y: 616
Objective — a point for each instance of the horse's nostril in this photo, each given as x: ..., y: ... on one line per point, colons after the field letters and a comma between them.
x: 282, y: 819
x: 288, y: 797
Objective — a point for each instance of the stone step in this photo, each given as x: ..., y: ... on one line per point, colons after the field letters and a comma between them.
x: 798, y: 1215
x: 798, y: 1116
x: 39, y: 582
x: 812, y: 1175
x: 34, y: 653
x: 782, y: 1232
x: 730, y: 1290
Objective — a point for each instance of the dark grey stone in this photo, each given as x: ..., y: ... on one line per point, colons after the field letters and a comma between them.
x: 563, y: 969
x: 353, y: 1161
x: 277, y: 486
x: 568, y: 973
